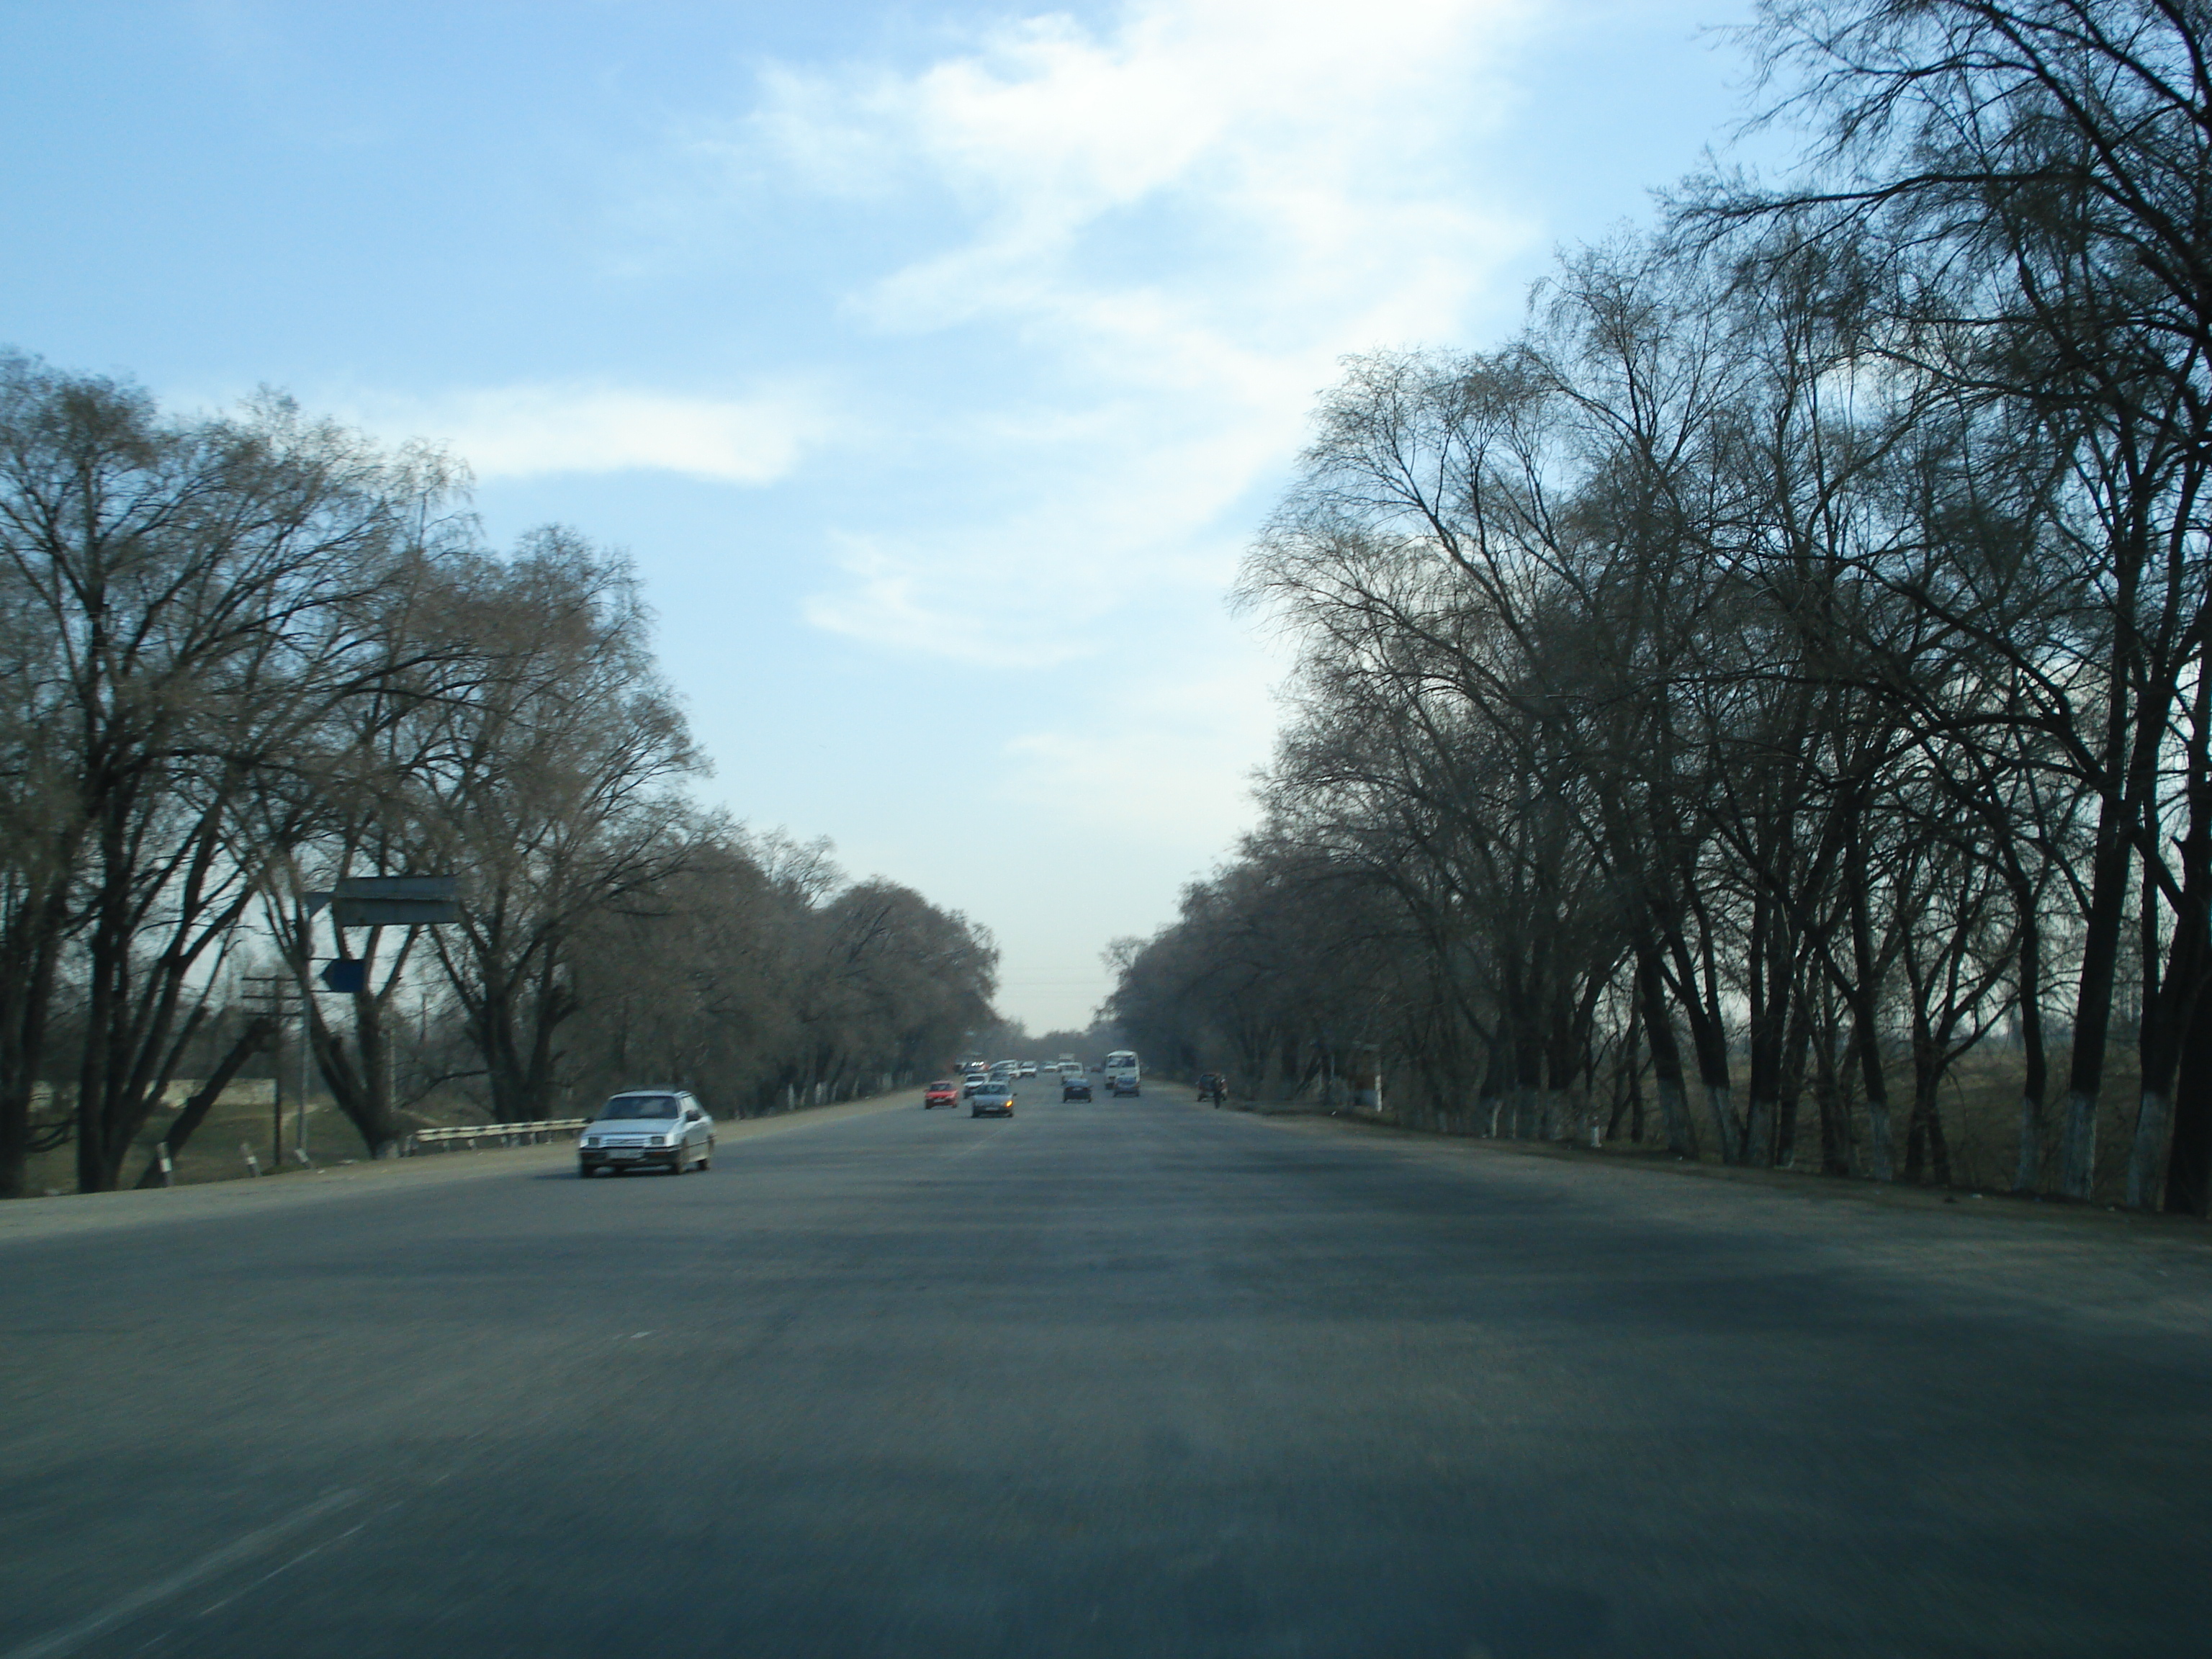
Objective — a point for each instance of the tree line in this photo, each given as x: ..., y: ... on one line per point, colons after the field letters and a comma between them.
x: 243, y: 657
x: 1779, y: 672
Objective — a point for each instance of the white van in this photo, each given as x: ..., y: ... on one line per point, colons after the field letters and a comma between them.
x: 1121, y: 1073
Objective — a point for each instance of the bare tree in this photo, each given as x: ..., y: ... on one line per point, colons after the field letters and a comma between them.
x: 194, y: 582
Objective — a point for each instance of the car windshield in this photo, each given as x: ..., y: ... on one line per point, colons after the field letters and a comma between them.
x: 639, y: 1106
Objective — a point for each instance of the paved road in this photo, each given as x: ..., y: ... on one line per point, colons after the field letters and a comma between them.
x: 1122, y: 1379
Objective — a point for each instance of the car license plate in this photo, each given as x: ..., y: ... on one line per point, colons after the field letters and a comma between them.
x: 626, y: 1153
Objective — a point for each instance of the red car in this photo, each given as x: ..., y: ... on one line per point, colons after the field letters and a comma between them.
x: 943, y: 1092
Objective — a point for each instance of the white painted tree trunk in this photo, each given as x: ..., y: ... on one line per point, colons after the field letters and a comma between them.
x: 2147, y: 1158
x: 1881, y: 1159
x: 1759, y: 1147
x: 2030, y: 1147
x: 1722, y: 1102
x: 2077, y: 1164
x: 1674, y: 1112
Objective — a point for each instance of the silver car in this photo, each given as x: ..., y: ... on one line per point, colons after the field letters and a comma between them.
x: 648, y: 1129
x: 992, y: 1100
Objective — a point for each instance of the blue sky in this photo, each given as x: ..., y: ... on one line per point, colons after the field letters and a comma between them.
x: 935, y: 362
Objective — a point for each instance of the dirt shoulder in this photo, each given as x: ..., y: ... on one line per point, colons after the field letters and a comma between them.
x: 88, y: 1213
x: 2142, y: 1270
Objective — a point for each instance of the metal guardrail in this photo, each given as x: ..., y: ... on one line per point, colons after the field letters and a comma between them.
x: 504, y: 1134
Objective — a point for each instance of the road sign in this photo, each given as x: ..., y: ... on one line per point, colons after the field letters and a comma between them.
x: 345, y: 974
x: 396, y: 901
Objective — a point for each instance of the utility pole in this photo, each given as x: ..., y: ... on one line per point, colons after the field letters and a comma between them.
x: 268, y: 996
x: 306, y: 958
x: 306, y: 1053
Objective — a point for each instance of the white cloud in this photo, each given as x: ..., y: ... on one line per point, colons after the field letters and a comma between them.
x: 1177, y: 222
x: 1262, y: 158
x: 532, y: 430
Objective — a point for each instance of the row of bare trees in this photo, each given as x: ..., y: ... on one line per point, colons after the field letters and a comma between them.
x: 1783, y: 668
x: 249, y: 656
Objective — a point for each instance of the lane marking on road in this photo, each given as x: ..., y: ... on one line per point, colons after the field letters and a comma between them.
x: 230, y: 1555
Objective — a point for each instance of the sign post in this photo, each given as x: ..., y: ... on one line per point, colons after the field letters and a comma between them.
x: 374, y: 902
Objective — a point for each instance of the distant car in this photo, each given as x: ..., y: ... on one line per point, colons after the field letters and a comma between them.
x: 1029, y: 1068
x: 975, y: 1080
x: 943, y: 1092
x: 1121, y: 1083
x: 1074, y: 1087
x: 992, y: 1100
x: 648, y: 1129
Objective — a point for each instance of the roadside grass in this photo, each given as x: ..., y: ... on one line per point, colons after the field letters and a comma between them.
x: 241, y: 1121
x: 1978, y: 1102
x: 1896, y: 1196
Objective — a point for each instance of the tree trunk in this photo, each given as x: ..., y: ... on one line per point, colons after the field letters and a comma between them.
x: 1924, y: 1142
x: 1880, y: 1153
x: 2093, y: 1007
x: 2189, y: 1166
x: 1710, y: 1040
x: 1625, y: 1092
x: 2147, y: 1155
x: 1791, y: 1092
x: 2179, y: 990
x: 1835, y: 1114
x: 255, y: 1039
x: 33, y: 944
x: 1866, y: 1007
x: 1773, y: 1015
x: 2035, y: 1060
x: 1666, y: 1056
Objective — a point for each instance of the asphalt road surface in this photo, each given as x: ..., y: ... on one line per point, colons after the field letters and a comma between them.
x: 1130, y: 1378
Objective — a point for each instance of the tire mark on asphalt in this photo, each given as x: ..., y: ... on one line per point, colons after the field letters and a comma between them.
x: 230, y: 1555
